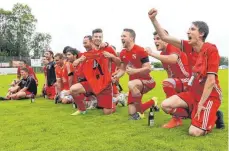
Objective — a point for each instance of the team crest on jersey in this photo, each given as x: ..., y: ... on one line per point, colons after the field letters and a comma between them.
x: 134, y: 56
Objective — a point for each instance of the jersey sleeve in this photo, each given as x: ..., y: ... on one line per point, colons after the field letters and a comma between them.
x: 173, y: 50
x: 111, y: 50
x: 144, y: 58
x: 28, y: 83
x: 213, y: 60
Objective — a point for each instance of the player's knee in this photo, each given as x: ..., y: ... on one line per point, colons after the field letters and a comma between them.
x: 195, y: 132
x: 130, y: 85
x: 74, y: 89
x: 164, y: 105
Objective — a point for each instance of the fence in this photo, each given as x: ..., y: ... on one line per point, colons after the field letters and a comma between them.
x: 13, y: 62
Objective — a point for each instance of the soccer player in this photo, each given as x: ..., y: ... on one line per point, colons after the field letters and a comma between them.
x: 204, y: 95
x: 45, y: 63
x: 105, y: 96
x: 23, y: 64
x: 135, y: 62
x: 61, y: 87
x: 87, y: 42
x: 65, y: 51
x: 25, y: 88
x: 51, y: 75
x: 176, y: 65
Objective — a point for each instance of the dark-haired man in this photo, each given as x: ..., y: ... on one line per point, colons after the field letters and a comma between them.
x: 204, y: 96
x: 51, y: 75
x: 176, y: 65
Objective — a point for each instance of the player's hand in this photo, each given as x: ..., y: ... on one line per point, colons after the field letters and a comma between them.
x: 130, y: 71
x: 149, y: 51
x: 114, y: 79
x: 81, y: 59
x: 152, y: 14
x: 103, y: 45
x: 108, y: 55
x: 200, y: 108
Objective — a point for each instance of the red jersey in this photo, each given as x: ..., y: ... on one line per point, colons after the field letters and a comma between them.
x: 59, y: 71
x: 67, y: 68
x: 135, y: 58
x: 206, y: 61
x: 191, y: 54
x: 179, y: 70
x: 97, y: 70
x: 31, y: 72
x: 78, y: 72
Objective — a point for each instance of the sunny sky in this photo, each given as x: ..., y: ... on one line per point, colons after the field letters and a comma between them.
x: 68, y: 21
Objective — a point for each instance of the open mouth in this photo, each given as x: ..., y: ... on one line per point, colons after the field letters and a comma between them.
x: 123, y: 42
x: 189, y: 38
x: 157, y: 45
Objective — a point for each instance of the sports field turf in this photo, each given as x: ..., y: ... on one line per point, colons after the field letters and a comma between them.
x: 46, y: 126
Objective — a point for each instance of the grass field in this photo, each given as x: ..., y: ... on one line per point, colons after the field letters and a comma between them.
x: 45, y: 126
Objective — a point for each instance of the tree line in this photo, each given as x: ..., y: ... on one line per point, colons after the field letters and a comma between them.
x: 17, y: 33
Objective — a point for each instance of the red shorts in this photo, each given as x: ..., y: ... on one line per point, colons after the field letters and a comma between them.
x: 207, y: 116
x: 147, y: 85
x: 104, y: 98
x: 179, y: 85
x: 51, y: 92
x: 115, y: 89
x: 28, y: 93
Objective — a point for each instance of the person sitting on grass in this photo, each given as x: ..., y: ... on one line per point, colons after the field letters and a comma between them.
x: 26, y: 88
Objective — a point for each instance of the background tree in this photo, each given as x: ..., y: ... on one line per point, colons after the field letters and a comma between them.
x: 157, y: 65
x: 17, y: 33
x: 223, y: 61
x: 40, y: 43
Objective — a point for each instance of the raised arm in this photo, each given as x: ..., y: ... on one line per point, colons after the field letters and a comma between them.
x: 161, y: 32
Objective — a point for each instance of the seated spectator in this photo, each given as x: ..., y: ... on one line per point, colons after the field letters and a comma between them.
x: 25, y: 88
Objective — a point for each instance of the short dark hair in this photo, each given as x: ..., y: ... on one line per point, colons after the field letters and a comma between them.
x: 89, y: 37
x: 73, y: 51
x: 155, y: 33
x: 51, y: 53
x: 203, y: 28
x: 65, y: 49
x: 24, y: 61
x: 97, y: 30
x: 60, y: 55
x: 25, y: 69
x: 131, y: 31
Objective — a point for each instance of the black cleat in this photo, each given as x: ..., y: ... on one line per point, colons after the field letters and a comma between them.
x: 57, y: 99
x: 219, y: 122
x: 3, y: 98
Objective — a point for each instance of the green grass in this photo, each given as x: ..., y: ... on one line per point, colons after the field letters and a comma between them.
x: 45, y: 126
